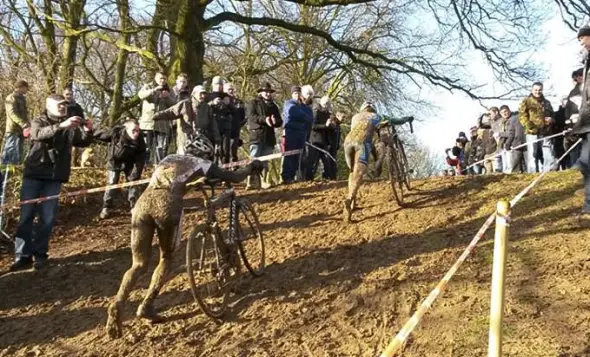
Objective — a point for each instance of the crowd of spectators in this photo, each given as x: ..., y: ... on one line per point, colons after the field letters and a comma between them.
x: 169, y: 119
x: 524, y: 141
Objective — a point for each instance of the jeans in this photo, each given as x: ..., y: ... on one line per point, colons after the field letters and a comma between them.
x: 33, y: 240
x: 113, y: 179
x: 584, y: 164
x: 258, y: 150
x: 148, y: 136
x: 530, y: 153
x: 497, y: 163
x: 507, y: 161
x: 519, y: 163
x: 548, y: 156
x: 292, y: 163
x: 12, y: 153
x: 162, y: 143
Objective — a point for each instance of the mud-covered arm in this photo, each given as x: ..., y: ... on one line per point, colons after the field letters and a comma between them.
x: 215, y: 172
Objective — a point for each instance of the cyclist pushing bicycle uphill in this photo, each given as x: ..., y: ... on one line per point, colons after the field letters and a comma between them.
x: 358, y: 145
x: 159, y: 209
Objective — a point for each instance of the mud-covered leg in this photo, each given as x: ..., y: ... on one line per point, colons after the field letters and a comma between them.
x: 166, y: 238
x: 142, y: 232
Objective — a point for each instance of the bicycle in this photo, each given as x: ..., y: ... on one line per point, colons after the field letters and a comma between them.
x: 212, y: 257
x: 397, y: 162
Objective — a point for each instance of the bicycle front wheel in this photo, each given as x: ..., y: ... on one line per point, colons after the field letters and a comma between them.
x: 249, y: 238
x: 208, y: 277
x: 395, y: 177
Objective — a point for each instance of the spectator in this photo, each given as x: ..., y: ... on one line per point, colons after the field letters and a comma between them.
x: 195, y: 115
x: 558, y: 127
x: 470, y: 151
x: 155, y: 97
x: 515, y: 137
x: 572, y: 110
x: 219, y: 102
x: 17, y: 124
x: 454, y: 158
x: 238, y: 119
x: 263, y: 117
x: 582, y: 127
x: 46, y: 167
x: 498, y: 130
x: 298, y: 118
x: 536, y: 116
x: 487, y: 149
x: 333, y: 138
x: 323, y: 123
x: 181, y: 91
x: 126, y: 154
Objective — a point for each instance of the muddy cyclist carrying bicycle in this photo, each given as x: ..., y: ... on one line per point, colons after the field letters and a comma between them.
x: 358, y: 145
x: 159, y: 209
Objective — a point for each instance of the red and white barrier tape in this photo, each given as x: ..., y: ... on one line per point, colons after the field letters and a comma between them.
x: 397, y: 342
x: 135, y: 183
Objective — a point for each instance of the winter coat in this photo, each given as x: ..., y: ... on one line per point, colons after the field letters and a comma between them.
x: 16, y: 113
x: 50, y: 155
x: 192, y: 116
x: 532, y: 112
x: 123, y: 152
x: 298, y: 118
x: 582, y: 126
x: 238, y: 114
x: 256, y: 112
x: 319, y: 130
x: 151, y: 104
x: 221, y: 113
x: 516, y: 135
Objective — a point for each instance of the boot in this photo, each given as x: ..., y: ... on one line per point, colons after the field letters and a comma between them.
x: 266, y: 180
x: 253, y: 182
x: 104, y: 213
x: 347, y: 211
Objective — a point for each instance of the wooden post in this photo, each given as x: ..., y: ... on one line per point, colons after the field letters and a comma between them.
x: 497, y: 299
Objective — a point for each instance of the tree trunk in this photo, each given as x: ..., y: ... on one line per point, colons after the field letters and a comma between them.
x: 190, y: 48
x: 72, y: 13
x: 115, y: 109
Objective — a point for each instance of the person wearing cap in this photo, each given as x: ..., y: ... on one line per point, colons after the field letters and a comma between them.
x: 17, y: 124
x: 358, y: 145
x: 324, y: 123
x: 469, y: 152
x: 155, y: 97
x: 238, y: 119
x: 571, y: 116
x: 194, y: 114
x: 582, y: 128
x: 47, y: 166
x: 298, y: 119
x: 263, y: 116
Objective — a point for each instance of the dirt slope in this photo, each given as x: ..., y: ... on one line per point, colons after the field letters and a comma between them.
x: 330, y: 289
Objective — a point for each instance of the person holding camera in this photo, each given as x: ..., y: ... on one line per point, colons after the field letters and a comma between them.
x: 46, y: 168
x: 126, y: 154
x: 155, y: 97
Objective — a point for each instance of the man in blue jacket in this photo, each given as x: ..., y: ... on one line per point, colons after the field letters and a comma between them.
x: 297, y: 118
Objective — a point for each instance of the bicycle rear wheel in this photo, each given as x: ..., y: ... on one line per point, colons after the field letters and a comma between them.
x: 404, y: 161
x: 249, y: 238
x: 208, y: 275
x: 394, y: 176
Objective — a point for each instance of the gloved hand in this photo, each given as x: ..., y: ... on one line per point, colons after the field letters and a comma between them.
x: 256, y: 166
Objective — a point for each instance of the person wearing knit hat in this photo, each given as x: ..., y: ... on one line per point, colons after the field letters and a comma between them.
x: 584, y: 31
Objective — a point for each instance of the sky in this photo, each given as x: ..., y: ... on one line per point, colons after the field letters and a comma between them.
x: 457, y: 112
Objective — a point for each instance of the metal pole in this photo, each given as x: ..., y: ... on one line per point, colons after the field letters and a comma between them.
x: 497, y: 296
